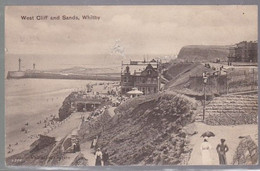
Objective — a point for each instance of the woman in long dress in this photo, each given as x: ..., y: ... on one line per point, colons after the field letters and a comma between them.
x: 99, y: 158
x: 205, y: 152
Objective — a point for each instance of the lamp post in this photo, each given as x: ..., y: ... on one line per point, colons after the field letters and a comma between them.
x: 205, y: 79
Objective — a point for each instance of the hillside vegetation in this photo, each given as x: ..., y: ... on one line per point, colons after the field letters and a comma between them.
x: 150, y: 131
x: 179, y: 73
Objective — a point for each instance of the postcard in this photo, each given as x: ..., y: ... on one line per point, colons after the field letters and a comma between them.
x: 151, y: 85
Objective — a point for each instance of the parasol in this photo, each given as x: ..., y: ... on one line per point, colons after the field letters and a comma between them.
x: 208, y: 134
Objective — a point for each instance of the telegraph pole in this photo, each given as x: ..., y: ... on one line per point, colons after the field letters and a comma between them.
x: 227, y: 82
x: 159, y: 74
x: 205, y: 79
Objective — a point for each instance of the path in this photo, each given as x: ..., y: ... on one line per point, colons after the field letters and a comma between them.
x: 68, y: 159
x: 230, y: 133
x: 69, y: 125
x: 88, y: 153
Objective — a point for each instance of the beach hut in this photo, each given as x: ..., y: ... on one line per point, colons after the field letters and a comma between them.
x: 134, y: 92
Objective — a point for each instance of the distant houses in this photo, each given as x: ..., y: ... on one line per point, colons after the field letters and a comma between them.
x: 134, y: 75
x: 243, y: 52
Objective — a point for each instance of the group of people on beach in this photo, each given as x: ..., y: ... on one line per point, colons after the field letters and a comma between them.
x: 221, y: 149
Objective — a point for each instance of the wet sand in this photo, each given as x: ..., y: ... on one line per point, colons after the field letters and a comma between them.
x: 35, y: 114
x: 38, y: 108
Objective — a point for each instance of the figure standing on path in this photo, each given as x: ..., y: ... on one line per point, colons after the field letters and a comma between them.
x: 222, y: 148
x: 98, y: 157
x: 94, y: 142
x: 205, y: 152
x: 105, y: 158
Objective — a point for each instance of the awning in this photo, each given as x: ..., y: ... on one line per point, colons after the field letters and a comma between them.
x: 134, y: 91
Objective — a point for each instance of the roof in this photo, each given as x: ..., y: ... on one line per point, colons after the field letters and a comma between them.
x: 149, y: 71
x: 134, y: 91
x: 87, y: 102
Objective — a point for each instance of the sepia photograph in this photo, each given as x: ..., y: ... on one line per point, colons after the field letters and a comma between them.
x: 143, y: 85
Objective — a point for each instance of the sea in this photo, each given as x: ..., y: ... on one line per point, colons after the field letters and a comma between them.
x: 32, y: 100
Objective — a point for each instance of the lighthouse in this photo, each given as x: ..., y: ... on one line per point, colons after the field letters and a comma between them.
x: 19, y: 64
x: 16, y: 74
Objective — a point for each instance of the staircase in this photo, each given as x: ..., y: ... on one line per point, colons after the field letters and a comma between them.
x: 231, y: 110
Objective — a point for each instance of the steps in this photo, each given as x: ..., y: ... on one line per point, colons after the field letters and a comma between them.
x: 231, y: 110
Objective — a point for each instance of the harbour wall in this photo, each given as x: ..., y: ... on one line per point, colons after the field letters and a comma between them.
x: 48, y: 75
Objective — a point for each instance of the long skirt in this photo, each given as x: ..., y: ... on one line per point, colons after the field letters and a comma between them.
x: 206, y: 158
x: 98, y: 161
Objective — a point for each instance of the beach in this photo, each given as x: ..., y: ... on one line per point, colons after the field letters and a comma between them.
x: 28, y: 102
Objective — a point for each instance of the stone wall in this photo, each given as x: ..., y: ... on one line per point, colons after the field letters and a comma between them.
x: 232, y: 110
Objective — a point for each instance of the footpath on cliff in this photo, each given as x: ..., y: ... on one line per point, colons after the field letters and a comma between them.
x: 86, y: 151
x: 229, y: 133
x: 231, y: 117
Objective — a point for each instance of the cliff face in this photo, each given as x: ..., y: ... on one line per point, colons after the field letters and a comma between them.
x: 203, y: 53
x: 66, y: 109
x: 150, y: 131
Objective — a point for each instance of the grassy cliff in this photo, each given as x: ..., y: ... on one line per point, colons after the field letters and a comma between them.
x: 204, y: 53
x: 148, y: 131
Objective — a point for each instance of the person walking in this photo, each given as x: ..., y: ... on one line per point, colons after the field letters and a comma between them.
x: 222, y: 149
x: 205, y: 152
x: 105, y: 157
x: 94, y: 142
x: 98, y: 157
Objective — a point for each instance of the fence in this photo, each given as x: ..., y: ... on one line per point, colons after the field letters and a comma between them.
x: 232, y: 82
x: 242, y: 80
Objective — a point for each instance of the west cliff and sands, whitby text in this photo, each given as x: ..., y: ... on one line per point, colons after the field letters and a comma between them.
x: 61, y: 17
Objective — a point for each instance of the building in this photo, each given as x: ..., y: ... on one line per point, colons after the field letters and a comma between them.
x: 146, y: 80
x: 243, y: 52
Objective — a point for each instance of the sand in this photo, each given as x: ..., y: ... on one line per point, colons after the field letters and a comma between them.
x: 35, y: 114
x: 37, y: 108
x: 230, y: 133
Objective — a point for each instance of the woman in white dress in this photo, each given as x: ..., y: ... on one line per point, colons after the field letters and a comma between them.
x: 205, y: 152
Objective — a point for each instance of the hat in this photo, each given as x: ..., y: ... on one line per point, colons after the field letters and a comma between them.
x: 222, y: 140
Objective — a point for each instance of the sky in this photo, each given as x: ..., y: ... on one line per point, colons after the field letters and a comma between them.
x: 126, y: 29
